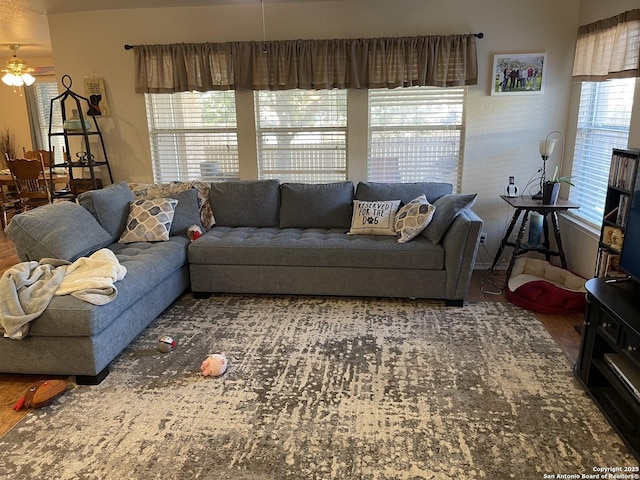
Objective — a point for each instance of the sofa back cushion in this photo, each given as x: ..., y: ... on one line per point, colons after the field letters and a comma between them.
x: 448, y: 207
x: 61, y: 230
x: 187, y: 211
x: 246, y: 203
x: 405, y: 192
x: 110, y: 206
x: 305, y: 205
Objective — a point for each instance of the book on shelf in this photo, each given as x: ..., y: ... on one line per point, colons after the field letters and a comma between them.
x: 623, y: 210
x: 608, y: 265
x: 622, y: 172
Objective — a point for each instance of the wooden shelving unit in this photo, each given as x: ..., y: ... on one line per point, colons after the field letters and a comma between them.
x: 623, y: 175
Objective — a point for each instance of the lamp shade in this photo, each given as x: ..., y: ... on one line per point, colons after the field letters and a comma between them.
x: 546, y: 146
x: 28, y: 79
x: 13, y: 80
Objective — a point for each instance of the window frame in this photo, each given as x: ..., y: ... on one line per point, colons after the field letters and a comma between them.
x: 444, y: 102
x: 324, y: 169
x: 176, y: 130
x: 354, y: 128
x: 591, y: 154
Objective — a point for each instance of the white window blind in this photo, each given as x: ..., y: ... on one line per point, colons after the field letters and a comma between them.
x: 301, y: 135
x: 193, y: 136
x: 44, y: 91
x: 416, y: 134
x: 603, y: 123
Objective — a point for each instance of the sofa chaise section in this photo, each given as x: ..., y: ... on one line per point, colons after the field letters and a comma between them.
x: 73, y: 337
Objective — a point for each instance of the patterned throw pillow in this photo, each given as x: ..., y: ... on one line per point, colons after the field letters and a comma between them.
x: 149, y: 220
x: 147, y: 191
x: 413, y: 218
x: 374, y: 218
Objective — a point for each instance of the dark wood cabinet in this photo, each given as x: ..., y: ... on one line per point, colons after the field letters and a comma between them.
x: 608, y: 365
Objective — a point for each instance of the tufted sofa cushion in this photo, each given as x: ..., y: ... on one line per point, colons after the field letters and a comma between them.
x: 147, y: 265
x: 311, y: 247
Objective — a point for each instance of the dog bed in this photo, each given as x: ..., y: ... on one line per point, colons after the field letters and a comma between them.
x: 541, y: 287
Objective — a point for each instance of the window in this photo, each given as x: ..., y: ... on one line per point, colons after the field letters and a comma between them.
x: 603, y: 123
x: 43, y: 91
x: 416, y: 134
x: 193, y: 136
x: 301, y: 135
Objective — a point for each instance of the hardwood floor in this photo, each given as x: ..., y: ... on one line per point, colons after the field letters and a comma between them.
x: 483, y: 288
x: 12, y: 386
x: 563, y: 328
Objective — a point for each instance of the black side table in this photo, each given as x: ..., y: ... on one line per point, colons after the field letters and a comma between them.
x: 525, y: 204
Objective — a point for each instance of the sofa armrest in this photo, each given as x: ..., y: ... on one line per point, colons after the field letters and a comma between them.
x: 460, y: 248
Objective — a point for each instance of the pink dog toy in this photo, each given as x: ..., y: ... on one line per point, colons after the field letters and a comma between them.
x: 214, y: 365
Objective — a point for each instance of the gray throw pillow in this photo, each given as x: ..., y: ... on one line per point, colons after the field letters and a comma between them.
x: 307, y: 205
x: 405, y: 192
x: 447, y: 209
x: 246, y: 203
x: 187, y: 211
x: 62, y: 230
x: 110, y: 206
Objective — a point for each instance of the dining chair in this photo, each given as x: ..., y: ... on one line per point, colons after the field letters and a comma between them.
x: 59, y: 188
x: 30, y: 181
x: 46, y: 155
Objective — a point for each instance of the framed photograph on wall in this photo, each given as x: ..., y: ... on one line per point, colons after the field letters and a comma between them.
x: 519, y: 74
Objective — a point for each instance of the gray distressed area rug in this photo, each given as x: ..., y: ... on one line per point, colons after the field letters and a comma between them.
x: 325, y: 388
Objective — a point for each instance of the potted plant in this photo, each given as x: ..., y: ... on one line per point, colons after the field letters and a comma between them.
x: 551, y: 188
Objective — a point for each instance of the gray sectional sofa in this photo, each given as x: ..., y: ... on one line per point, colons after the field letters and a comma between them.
x: 292, y: 239
x: 268, y: 238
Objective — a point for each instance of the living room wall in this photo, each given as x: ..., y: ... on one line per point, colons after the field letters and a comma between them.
x: 502, y: 132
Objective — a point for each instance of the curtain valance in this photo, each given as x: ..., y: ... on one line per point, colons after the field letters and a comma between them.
x: 608, y: 48
x: 308, y: 64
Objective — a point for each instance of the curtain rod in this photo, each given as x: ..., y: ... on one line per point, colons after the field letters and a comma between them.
x: 477, y: 35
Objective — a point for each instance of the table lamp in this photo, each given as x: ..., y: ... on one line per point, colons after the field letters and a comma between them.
x: 546, y: 148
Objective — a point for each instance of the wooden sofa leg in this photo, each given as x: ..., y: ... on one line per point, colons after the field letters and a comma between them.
x: 93, y: 379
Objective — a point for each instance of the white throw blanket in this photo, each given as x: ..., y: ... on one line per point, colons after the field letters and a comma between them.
x: 27, y: 288
x: 25, y: 291
x: 92, y: 278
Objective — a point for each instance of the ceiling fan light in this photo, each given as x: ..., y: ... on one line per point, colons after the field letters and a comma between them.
x: 7, y: 79
x: 28, y: 79
x: 17, y: 73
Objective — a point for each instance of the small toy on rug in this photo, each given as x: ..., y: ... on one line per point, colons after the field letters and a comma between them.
x: 41, y: 394
x: 166, y: 344
x: 214, y: 365
x: 194, y: 232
